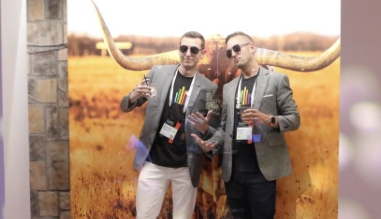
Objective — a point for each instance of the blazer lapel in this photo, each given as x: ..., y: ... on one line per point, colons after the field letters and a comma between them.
x: 167, y: 81
x: 260, y: 87
x: 230, y: 99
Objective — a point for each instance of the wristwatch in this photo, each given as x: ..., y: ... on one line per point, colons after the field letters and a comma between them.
x: 272, y: 120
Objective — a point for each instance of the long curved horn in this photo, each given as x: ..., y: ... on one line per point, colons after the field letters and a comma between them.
x: 298, y: 63
x: 137, y: 64
x: 263, y: 56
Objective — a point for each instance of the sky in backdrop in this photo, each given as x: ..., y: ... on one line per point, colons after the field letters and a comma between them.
x: 175, y: 17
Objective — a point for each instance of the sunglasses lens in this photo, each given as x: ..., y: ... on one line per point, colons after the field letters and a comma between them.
x: 194, y: 50
x: 236, y: 48
x: 183, y: 49
x: 229, y: 53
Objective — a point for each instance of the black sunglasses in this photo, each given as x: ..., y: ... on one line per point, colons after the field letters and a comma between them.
x: 236, y: 48
x: 194, y: 50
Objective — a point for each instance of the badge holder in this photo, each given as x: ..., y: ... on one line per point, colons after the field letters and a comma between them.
x: 244, y: 131
x: 170, y: 129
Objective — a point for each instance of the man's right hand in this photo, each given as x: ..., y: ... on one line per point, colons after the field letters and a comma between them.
x: 206, y: 146
x: 141, y: 90
x: 200, y: 122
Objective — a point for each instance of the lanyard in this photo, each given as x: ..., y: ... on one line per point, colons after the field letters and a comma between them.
x: 187, y: 96
x: 239, y: 94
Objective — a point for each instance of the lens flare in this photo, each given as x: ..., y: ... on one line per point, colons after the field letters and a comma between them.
x: 367, y: 162
x: 141, y: 151
x: 366, y: 116
x: 1, y: 128
x: 349, y: 209
x: 346, y: 151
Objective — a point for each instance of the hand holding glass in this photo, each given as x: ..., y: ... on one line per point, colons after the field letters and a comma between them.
x: 143, y: 89
x: 247, y: 115
x: 152, y: 90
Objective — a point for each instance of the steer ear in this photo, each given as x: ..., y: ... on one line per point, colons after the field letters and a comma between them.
x: 268, y: 67
x: 130, y: 63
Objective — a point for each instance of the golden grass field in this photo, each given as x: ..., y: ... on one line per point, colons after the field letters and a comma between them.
x: 103, y: 181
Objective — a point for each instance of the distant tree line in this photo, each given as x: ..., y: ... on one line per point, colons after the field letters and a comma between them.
x: 83, y: 45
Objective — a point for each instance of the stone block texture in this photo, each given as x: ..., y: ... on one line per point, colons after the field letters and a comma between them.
x: 48, y: 109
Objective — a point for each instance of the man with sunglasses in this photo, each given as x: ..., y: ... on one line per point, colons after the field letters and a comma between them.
x: 258, y: 108
x: 166, y: 151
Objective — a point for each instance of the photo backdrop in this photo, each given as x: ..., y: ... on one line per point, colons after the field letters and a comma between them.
x: 102, y: 138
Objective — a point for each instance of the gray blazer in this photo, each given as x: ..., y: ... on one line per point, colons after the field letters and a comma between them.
x: 273, y: 96
x: 161, y: 77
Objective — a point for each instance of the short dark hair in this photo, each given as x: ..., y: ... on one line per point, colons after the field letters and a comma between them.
x: 238, y: 33
x: 194, y: 34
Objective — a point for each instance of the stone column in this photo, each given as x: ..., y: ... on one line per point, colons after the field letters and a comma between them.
x: 48, y: 109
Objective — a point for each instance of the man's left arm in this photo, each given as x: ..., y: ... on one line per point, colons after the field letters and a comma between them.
x: 288, y: 118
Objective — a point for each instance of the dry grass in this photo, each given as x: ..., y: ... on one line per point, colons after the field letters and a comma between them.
x: 103, y: 182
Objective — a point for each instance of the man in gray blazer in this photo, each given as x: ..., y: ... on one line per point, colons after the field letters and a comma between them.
x: 258, y: 108
x: 166, y: 151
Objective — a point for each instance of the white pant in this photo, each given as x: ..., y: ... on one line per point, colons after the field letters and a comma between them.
x: 152, y: 186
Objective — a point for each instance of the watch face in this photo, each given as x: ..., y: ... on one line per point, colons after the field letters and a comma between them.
x: 273, y: 120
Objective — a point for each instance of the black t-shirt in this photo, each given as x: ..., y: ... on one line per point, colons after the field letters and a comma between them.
x: 244, y: 158
x: 172, y: 154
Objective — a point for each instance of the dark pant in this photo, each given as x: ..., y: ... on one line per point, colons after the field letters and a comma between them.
x: 251, y: 196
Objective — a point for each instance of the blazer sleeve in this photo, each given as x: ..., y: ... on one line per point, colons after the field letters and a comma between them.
x: 288, y: 115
